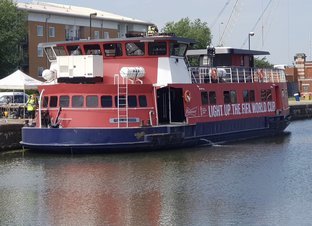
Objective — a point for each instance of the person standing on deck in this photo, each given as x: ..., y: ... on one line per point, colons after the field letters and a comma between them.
x: 31, y: 105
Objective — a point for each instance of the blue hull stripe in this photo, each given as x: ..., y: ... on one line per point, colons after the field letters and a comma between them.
x: 106, y: 139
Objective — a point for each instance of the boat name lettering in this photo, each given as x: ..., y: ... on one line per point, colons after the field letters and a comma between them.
x: 239, y: 109
x: 124, y: 120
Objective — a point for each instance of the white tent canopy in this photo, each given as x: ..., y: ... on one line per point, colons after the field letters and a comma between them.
x: 19, y: 80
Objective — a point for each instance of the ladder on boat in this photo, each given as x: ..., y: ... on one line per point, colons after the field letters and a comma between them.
x: 122, y: 100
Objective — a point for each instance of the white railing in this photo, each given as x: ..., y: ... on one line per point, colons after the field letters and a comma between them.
x: 236, y: 75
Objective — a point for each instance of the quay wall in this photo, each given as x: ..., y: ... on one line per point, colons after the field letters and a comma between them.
x: 300, y: 111
x: 10, y: 136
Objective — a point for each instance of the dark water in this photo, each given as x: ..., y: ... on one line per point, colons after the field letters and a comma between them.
x: 259, y: 182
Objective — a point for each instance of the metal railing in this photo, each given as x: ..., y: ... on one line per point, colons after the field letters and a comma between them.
x: 236, y: 75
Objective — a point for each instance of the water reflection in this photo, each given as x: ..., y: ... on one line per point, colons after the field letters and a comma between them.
x: 260, y: 182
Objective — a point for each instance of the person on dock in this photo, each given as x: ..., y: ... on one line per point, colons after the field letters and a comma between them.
x: 31, y: 105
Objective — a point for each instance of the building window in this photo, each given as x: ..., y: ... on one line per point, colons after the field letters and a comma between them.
x: 106, y: 35
x: 39, y: 30
x: 40, y: 51
x: 96, y: 34
x: 40, y: 70
x: 51, y: 32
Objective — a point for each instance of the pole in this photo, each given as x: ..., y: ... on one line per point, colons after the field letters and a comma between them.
x: 91, y: 14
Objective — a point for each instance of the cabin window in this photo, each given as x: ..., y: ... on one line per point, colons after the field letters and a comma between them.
x: 74, y: 50
x: 92, y: 101
x: 53, y: 101
x: 252, y: 96
x: 45, y: 102
x: 157, y: 48
x: 122, y: 101
x: 212, y: 97
x: 246, y: 96
x: 233, y: 97
x: 59, y: 51
x: 266, y: 95
x: 269, y: 95
x: 230, y: 97
x: 92, y: 49
x: 132, y: 101
x: 77, y: 101
x: 49, y: 53
x: 135, y: 48
x: 106, y: 101
x: 204, y: 98
x: 64, y: 101
x: 249, y: 96
x: 178, y: 49
x: 113, y: 49
x: 142, y: 101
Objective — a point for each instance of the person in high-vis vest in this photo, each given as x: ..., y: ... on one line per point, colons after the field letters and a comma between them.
x: 31, y: 105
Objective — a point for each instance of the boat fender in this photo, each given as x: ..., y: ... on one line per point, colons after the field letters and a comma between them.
x: 187, y: 96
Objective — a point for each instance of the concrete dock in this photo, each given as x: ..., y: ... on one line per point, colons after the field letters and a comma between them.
x: 10, y: 133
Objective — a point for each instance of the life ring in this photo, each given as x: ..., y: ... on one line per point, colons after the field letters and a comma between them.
x: 187, y: 96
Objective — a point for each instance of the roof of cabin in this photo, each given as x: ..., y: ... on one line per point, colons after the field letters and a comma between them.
x: 139, y: 39
x: 226, y: 50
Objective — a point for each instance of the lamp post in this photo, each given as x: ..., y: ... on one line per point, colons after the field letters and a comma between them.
x: 250, y: 34
x: 91, y: 14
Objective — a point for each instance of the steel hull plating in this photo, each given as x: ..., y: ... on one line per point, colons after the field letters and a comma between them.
x: 96, y: 140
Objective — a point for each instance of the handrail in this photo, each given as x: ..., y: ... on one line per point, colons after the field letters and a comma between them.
x: 201, y: 75
x: 39, y: 103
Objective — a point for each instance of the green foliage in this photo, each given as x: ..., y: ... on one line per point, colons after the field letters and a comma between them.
x: 12, y: 32
x: 197, y: 30
x: 262, y: 63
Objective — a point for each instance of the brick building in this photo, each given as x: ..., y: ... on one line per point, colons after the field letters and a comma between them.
x: 49, y: 22
x: 299, y: 77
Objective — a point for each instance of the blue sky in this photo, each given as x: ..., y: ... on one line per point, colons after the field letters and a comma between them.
x: 284, y: 29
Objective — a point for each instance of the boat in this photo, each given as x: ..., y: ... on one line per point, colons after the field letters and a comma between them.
x: 144, y: 93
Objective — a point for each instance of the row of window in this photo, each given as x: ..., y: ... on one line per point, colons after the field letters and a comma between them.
x: 230, y: 97
x: 116, y: 49
x: 94, y: 101
x: 40, y: 31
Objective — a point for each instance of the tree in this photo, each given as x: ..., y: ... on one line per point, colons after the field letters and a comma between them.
x: 12, y: 33
x: 197, y: 30
x: 262, y: 63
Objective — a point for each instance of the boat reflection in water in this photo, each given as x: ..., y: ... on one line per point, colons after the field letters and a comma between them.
x: 260, y: 182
